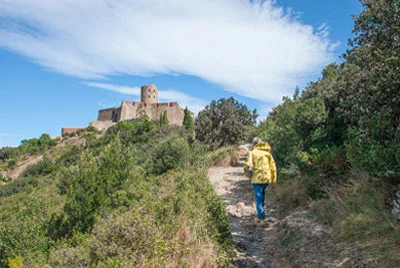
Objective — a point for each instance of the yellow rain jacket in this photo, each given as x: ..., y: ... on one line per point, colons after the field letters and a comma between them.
x: 262, y: 163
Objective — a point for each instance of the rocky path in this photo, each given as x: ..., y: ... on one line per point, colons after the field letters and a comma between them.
x: 254, y: 244
x: 293, y: 239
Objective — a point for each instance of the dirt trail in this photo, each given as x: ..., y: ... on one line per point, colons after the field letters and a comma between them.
x: 293, y: 239
x: 22, y: 166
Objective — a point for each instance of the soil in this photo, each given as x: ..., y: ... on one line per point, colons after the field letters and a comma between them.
x: 292, y: 238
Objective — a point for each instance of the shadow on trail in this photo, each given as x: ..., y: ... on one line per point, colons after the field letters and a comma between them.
x: 251, y: 241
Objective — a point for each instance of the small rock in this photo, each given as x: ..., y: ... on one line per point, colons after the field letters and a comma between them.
x: 395, y: 205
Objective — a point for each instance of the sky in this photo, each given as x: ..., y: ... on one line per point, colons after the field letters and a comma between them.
x: 61, y: 61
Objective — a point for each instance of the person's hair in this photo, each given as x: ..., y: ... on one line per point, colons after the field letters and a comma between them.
x: 256, y: 140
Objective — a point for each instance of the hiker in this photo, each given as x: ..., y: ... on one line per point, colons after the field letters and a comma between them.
x: 262, y: 164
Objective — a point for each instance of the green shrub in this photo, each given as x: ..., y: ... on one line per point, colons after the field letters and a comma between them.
x: 69, y: 157
x: 94, y: 185
x: 68, y: 135
x: 170, y: 154
x: 11, y: 163
x: 34, y: 145
x: 174, y: 223
x: 131, y: 131
x: 8, y: 153
x: 17, y: 185
x: 24, y: 231
x: 43, y: 168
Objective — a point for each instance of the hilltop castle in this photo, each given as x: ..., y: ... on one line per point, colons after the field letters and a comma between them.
x: 128, y: 110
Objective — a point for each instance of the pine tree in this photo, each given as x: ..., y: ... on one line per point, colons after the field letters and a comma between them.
x: 188, y: 123
x: 164, y: 119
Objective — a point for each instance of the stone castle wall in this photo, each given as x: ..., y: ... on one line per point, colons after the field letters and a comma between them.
x: 131, y: 110
x: 113, y: 114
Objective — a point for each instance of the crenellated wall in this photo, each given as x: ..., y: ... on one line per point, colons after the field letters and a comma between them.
x: 129, y: 110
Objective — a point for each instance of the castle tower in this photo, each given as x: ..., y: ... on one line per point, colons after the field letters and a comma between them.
x: 149, y: 94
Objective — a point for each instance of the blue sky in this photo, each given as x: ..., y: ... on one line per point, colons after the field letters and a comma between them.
x: 62, y: 61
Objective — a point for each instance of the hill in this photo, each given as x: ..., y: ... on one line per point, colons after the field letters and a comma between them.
x: 136, y: 196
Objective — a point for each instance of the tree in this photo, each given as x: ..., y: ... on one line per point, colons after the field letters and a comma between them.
x: 373, y: 106
x: 164, y: 119
x: 188, y: 122
x: 224, y: 122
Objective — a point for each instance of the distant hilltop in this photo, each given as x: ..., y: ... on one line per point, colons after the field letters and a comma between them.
x: 129, y: 110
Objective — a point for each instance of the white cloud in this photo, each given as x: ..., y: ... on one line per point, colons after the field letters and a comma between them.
x: 121, y: 89
x: 194, y: 104
x: 255, y: 49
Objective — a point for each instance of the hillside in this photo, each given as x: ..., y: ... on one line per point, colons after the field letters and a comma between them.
x: 136, y: 196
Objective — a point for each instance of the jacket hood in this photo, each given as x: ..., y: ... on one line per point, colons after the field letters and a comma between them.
x: 263, y: 146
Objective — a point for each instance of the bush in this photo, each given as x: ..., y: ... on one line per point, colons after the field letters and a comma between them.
x: 171, y: 154
x: 43, y: 168
x: 93, y: 187
x: 8, y: 153
x: 24, y: 232
x: 34, y: 145
x: 70, y: 156
x: 224, y: 157
x: 131, y: 131
x: 17, y: 185
x: 173, y: 224
x: 11, y: 163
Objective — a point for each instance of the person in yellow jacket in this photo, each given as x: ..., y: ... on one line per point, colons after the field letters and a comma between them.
x: 261, y: 162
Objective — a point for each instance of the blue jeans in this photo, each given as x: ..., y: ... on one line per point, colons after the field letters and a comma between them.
x: 259, y: 193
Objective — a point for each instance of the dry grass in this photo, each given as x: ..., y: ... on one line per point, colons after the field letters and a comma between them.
x: 191, y: 253
x: 358, y: 212
x: 291, y: 194
x: 224, y: 157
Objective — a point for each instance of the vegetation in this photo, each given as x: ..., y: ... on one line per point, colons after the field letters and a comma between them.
x: 225, y: 157
x: 188, y: 122
x: 139, y: 195
x: 338, y: 141
x: 224, y: 122
x: 164, y: 119
x: 31, y: 146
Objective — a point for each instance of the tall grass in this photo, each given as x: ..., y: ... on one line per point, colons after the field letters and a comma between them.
x: 358, y: 212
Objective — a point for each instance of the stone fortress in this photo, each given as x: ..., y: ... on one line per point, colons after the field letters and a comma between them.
x: 128, y: 110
